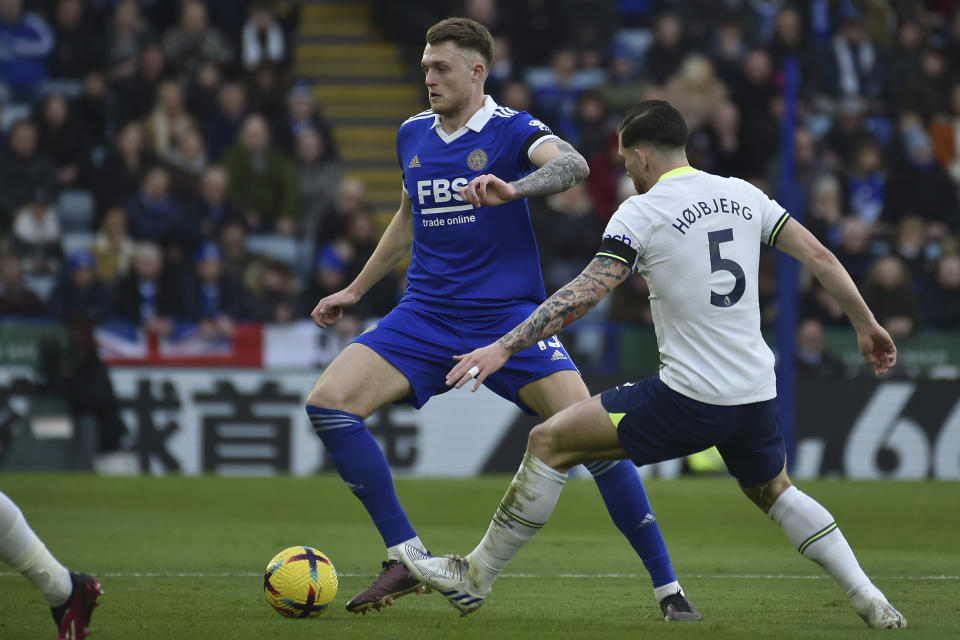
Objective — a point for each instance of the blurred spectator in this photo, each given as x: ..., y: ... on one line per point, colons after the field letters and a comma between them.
x: 119, y: 178
x: 168, y: 120
x: 37, y: 234
x: 855, y: 248
x: 911, y: 245
x: 89, y: 109
x: 200, y: 94
x: 725, y: 153
x: 517, y: 96
x: 263, y: 38
x: 238, y: 261
x: 851, y: 65
x: 212, y: 208
x: 889, y: 293
x: 79, y: 292
x: 319, y: 176
x: 556, y: 99
x: 154, y: 214
x: 127, y: 36
x: 187, y: 163
x: 274, y: 298
x: 918, y: 186
x: 136, y: 94
x: 903, y: 70
x: 624, y: 83
x: 263, y: 182
x: 362, y: 238
x: 592, y: 121
x: 113, y: 247
x: 945, y: 132
x: 866, y: 181
x: 221, y: 128
x: 568, y: 230
x: 78, y: 46
x: 351, y: 200
x: 754, y: 94
x: 23, y: 170
x: 194, y: 40
x: 329, y: 276
x: 265, y: 88
x: 942, y: 301
x: 64, y: 139
x: 302, y: 114
x: 813, y: 353
x: 788, y: 41
x: 695, y: 90
x: 212, y: 298
x: 502, y: 68
x: 929, y: 93
x: 16, y: 299
x: 728, y: 49
x: 145, y: 297
x: 664, y: 57
x: 825, y: 212
x: 25, y: 42
x: 846, y: 132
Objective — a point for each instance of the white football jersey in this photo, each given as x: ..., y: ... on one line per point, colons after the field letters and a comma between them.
x: 697, y: 240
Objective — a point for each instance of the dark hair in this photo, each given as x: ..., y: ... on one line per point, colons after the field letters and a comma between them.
x: 465, y: 33
x: 654, y: 122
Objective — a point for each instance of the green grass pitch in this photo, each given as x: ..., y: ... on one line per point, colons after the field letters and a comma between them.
x: 183, y: 558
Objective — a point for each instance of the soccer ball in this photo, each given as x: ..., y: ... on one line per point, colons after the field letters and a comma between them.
x: 300, y: 582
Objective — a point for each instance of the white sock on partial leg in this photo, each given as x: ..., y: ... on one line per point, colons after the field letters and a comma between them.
x: 524, y: 509
x: 24, y: 551
x: 393, y: 553
x: 814, y: 533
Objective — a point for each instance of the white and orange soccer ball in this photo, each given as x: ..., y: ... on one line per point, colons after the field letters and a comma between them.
x: 300, y: 582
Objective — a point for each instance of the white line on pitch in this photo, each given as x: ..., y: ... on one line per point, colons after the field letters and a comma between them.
x: 734, y: 576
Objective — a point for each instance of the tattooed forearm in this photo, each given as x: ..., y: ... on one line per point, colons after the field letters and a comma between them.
x: 559, y: 174
x: 571, y: 302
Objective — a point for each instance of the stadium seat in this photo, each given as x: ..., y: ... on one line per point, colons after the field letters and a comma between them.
x: 42, y: 285
x: 11, y: 112
x: 74, y: 241
x: 76, y: 210
x: 272, y: 245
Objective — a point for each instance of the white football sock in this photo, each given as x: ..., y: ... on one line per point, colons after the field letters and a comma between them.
x: 393, y: 553
x: 814, y: 533
x: 24, y: 551
x: 668, y: 589
x: 523, y: 511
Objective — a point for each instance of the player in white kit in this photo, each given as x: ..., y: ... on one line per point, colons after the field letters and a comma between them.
x: 695, y: 238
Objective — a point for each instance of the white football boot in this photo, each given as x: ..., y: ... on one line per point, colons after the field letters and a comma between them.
x: 450, y: 575
x: 876, y: 611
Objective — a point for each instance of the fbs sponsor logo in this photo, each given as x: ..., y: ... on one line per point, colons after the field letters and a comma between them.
x: 415, y: 163
x: 558, y: 355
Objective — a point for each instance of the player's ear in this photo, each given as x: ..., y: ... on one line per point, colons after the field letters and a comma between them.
x: 478, y: 71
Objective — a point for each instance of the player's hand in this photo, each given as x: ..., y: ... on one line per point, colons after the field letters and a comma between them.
x: 487, y: 361
x: 878, y: 349
x: 329, y: 310
x: 488, y: 190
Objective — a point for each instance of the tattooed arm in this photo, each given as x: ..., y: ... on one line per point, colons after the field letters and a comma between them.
x: 560, y: 167
x: 571, y: 302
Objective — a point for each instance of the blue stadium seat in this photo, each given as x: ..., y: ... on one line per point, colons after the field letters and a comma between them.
x: 74, y: 241
x: 76, y: 210
x: 276, y: 246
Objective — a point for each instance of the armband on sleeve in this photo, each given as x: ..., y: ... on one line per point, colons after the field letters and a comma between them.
x: 618, y: 250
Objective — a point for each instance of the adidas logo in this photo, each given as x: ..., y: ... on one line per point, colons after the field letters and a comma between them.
x: 415, y: 163
x: 647, y: 521
x: 558, y: 355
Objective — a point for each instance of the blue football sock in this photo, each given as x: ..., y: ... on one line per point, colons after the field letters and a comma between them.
x: 362, y: 465
x: 626, y: 500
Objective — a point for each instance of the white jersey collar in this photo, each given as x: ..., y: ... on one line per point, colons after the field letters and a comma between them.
x: 476, y: 122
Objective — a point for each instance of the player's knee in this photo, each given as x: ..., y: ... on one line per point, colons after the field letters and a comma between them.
x: 766, y: 493
x: 542, y: 443
x: 326, y: 396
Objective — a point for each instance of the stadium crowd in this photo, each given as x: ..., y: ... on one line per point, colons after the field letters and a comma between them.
x: 169, y: 132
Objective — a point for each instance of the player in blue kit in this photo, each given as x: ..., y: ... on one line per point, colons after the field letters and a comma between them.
x: 696, y: 239
x: 474, y: 273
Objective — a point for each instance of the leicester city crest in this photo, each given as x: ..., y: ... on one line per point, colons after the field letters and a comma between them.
x: 477, y: 159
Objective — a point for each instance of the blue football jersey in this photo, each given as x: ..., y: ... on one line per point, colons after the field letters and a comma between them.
x: 467, y: 258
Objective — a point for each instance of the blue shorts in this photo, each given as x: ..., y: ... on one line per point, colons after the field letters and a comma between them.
x: 656, y: 423
x: 421, y: 343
